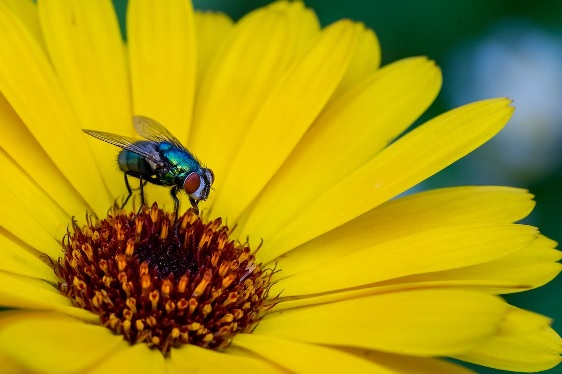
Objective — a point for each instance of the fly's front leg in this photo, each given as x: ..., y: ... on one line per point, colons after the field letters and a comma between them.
x: 194, y: 205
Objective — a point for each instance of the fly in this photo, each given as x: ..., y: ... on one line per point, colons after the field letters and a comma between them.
x: 160, y: 159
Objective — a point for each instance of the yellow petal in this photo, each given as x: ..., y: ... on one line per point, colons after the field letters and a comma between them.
x: 26, y: 11
x: 284, y: 117
x: 530, y: 267
x: 408, y: 161
x: 534, y: 265
x: 211, y: 31
x: 365, y: 61
x: 300, y: 357
x: 409, y: 364
x: 304, y: 26
x: 50, y: 343
x: 37, y: 203
x: 240, y: 78
x: 31, y: 293
x: 423, y: 252
x: 86, y: 50
x: 406, y: 215
x: 132, y: 359
x: 24, y: 226
x: 525, y: 343
x: 162, y: 55
x: 401, y: 322
x: 191, y: 359
x: 32, y: 89
x: 299, y: 301
x: 23, y: 149
x: 349, y: 132
x: 9, y: 365
x: 15, y: 258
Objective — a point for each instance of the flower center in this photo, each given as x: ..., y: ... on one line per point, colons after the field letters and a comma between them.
x: 164, y: 284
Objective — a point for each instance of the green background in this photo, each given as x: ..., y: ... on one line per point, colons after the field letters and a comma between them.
x: 434, y: 28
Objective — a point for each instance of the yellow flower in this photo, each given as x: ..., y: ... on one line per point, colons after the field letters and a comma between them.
x: 301, y: 128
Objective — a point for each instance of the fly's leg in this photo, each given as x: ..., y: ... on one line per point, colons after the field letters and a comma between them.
x: 174, y: 192
x: 194, y: 205
x: 129, y: 190
x: 142, y: 184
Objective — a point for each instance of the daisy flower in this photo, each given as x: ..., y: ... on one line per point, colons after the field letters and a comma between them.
x: 302, y: 259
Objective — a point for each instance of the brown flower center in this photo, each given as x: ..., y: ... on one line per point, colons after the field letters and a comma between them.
x: 161, y: 284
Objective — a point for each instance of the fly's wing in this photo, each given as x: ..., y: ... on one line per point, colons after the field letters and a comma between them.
x: 152, y: 130
x: 126, y: 143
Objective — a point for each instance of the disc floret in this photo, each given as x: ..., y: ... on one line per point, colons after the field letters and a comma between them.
x: 163, y: 284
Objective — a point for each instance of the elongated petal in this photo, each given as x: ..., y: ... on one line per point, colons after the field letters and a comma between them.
x: 29, y: 84
x: 87, y: 53
x: 191, y: 358
x: 162, y: 55
x: 26, y: 11
x: 27, y: 192
x: 31, y: 293
x: 135, y: 359
x: 432, y: 209
x: 395, y: 322
x: 409, y: 364
x: 305, y: 358
x: 365, y: 60
x: 304, y: 26
x: 18, y: 260
x: 26, y: 335
x: 238, y: 81
x: 211, y: 31
x: 430, y: 147
x: 11, y: 365
x: 299, y: 301
x: 25, y: 227
x: 531, y: 267
x: 24, y: 150
x: 86, y: 49
x: 284, y: 117
x: 404, y: 216
x: 427, y: 251
x: 525, y: 343
x: 349, y: 132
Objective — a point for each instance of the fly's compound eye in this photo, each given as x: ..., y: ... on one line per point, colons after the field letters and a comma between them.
x: 192, y: 183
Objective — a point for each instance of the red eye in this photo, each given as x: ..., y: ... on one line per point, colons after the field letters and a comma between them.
x: 191, y: 183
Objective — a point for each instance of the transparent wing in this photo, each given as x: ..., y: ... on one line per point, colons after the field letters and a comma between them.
x: 124, y: 142
x: 152, y: 130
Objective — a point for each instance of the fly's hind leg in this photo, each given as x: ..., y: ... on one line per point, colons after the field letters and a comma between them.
x: 130, y: 190
x: 142, y: 184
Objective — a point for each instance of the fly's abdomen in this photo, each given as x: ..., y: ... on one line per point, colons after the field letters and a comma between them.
x: 133, y: 162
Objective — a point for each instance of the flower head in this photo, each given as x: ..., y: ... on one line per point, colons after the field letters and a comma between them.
x: 300, y: 260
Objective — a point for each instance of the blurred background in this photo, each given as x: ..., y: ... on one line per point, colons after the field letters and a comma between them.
x: 486, y: 49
